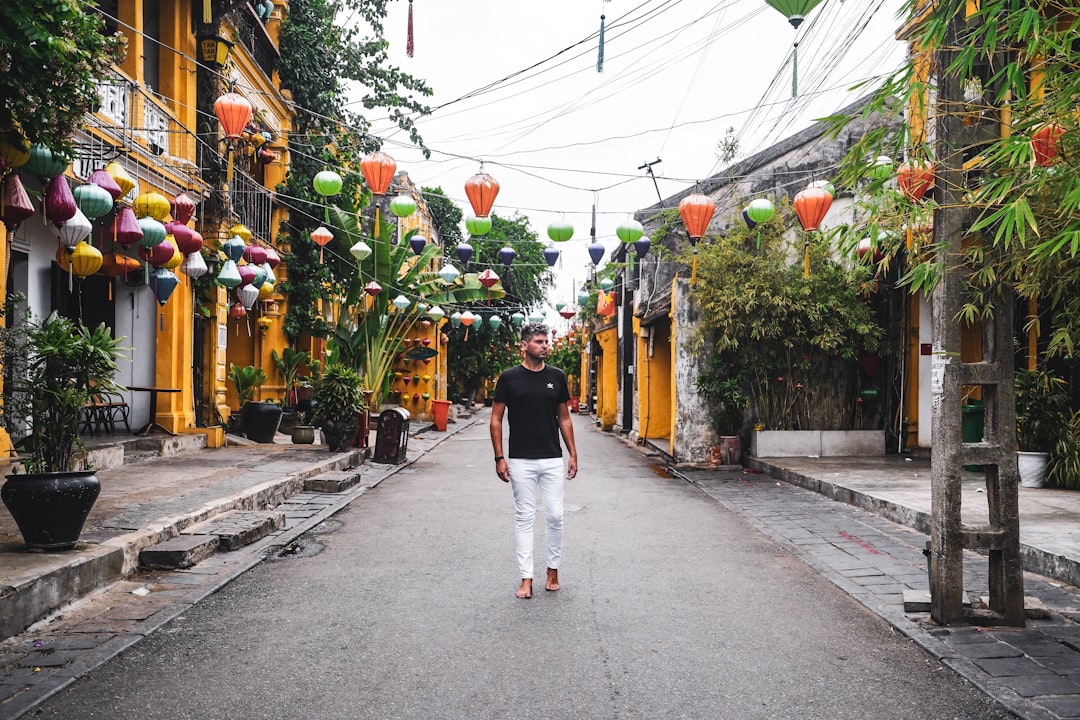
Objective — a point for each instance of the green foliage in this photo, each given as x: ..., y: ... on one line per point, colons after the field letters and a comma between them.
x: 796, y: 340
x: 323, y: 61
x: 246, y: 380
x: 1042, y: 410
x: 1026, y: 216
x: 67, y: 363
x: 51, y: 52
x: 722, y: 384
x: 477, y: 355
x: 338, y: 394
x: 290, y: 363
x: 1064, y: 470
x: 567, y: 358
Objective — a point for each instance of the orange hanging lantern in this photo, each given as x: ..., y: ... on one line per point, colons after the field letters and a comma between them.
x: 234, y: 113
x: 914, y: 179
x: 481, y: 189
x: 811, y: 206
x: 1046, y: 143
x: 378, y: 169
x: 696, y: 210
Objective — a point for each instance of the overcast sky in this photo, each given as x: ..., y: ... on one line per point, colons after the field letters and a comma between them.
x: 519, y: 90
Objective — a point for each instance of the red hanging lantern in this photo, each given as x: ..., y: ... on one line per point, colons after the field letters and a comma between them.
x: 811, y: 205
x: 914, y: 179
x: 696, y: 211
x: 125, y: 230
x: 321, y: 236
x: 378, y: 169
x: 373, y: 288
x: 488, y: 278
x: 1046, y: 143
x: 234, y: 113
x: 481, y: 189
x: 236, y: 310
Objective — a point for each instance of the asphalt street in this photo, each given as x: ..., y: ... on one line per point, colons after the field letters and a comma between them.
x: 402, y: 606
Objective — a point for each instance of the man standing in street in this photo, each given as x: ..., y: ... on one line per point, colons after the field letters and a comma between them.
x: 537, y: 395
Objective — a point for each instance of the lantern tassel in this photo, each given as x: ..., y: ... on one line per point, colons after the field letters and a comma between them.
x: 795, y: 70
x: 693, y: 269
x: 806, y: 257
x: 600, y: 54
x: 409, y: 40
x: 207, y: 13
x: 377, y: 222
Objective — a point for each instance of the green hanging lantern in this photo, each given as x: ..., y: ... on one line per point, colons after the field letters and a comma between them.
x: 560, y: 231
x: 94, y: 200
x: 495, y: 322
x: 402, y: 206
x: 582, y: 298
x: 518, y: 319
x: 760, y: 210
x: 606, y: 284
x: 43, y: 163
x: 478, y: 225
x: 327, y: 183
x: 629, y: 231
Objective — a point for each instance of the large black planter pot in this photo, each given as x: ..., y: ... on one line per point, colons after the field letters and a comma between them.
x: 50, y: 508
x: 339, y: 434
x: 260, y: 420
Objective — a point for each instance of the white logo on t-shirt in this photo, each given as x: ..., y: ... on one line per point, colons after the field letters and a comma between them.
x: 551, y: 386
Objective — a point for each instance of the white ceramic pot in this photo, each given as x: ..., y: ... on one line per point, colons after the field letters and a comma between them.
x: 1032, y: 468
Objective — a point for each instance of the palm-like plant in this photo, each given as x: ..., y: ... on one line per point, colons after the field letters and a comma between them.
x: 370, y: 331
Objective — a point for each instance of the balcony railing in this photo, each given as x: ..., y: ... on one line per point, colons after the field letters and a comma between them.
x: 252, y: 203
x: 251, y: 33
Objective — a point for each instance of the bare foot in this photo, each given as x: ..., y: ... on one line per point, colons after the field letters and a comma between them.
x: 525, y: 591
x: 552, y: 583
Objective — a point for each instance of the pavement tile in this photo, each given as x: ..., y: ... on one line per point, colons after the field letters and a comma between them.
x: 961, y: 636
x: 51, y: 659
x: 1067, y: 663
x: 989, y: 650
x: 1011, y: 667
x: 1064, y: 706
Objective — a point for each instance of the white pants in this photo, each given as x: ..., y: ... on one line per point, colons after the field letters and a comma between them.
x: 526, y: 477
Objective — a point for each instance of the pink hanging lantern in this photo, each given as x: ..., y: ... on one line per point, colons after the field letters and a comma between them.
x: 247, y: 274
x: 236, y: 310
x: 59, y: 204
x: 373, y: 288
x: 182, y: 208
x: 125, y: 230
x: 272, y: 257
x: 159, y: 254
x: 15, y: 205
x: 106, y: 182
x: 255, y: 254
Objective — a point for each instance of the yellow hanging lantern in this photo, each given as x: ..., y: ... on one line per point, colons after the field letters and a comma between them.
x: 14, y: 149
x: 266, y: 290
x: 151, y: 204
x: 176, y: 259
x: 241, y: 231
x: 120, y: 176
x: 85, y: 260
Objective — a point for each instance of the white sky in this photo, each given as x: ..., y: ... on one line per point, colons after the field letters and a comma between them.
x: 677, y: 73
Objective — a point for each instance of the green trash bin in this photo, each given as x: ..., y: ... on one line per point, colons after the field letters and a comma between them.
x: 973, y: 414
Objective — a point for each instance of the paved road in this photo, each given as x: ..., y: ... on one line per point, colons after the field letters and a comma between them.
x: 402, y: 607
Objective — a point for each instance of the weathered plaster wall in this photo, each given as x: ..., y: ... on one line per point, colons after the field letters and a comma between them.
x: 693, y: 434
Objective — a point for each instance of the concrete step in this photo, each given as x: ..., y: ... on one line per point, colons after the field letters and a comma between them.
x: 182, y: 551
x: 333, y: 481
x: 238, y: 528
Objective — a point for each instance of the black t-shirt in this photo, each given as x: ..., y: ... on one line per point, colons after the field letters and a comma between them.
x: 532, y: 400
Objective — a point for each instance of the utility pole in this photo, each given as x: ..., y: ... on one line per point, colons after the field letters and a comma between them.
x: 992, y: 374
x: 647, y: 167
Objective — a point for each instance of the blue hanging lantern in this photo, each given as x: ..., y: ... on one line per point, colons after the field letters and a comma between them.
x: 418, y: 243
x: 163, y: 282
x: 750, y: 224
x: 507, y: 255
x: 596, y: 252
x: 234, y: 248
x: 641, y: 246
x: 551, y: 256
x: 464, y: 252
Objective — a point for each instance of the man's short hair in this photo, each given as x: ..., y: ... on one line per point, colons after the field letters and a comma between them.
x: 530, y: 329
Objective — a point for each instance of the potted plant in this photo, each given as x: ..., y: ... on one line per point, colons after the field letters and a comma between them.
x: 258, y: 420
x: 722, y: 386
x: 1042, y: 411
x: 337, y: 398
x: 66, y: 363
x: 290, y: 363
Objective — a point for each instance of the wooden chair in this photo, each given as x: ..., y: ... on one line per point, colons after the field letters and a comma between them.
x: 102, y: 411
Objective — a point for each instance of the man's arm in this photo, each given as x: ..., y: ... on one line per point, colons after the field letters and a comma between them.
x: 566, y: 428
x: 502, y: 469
